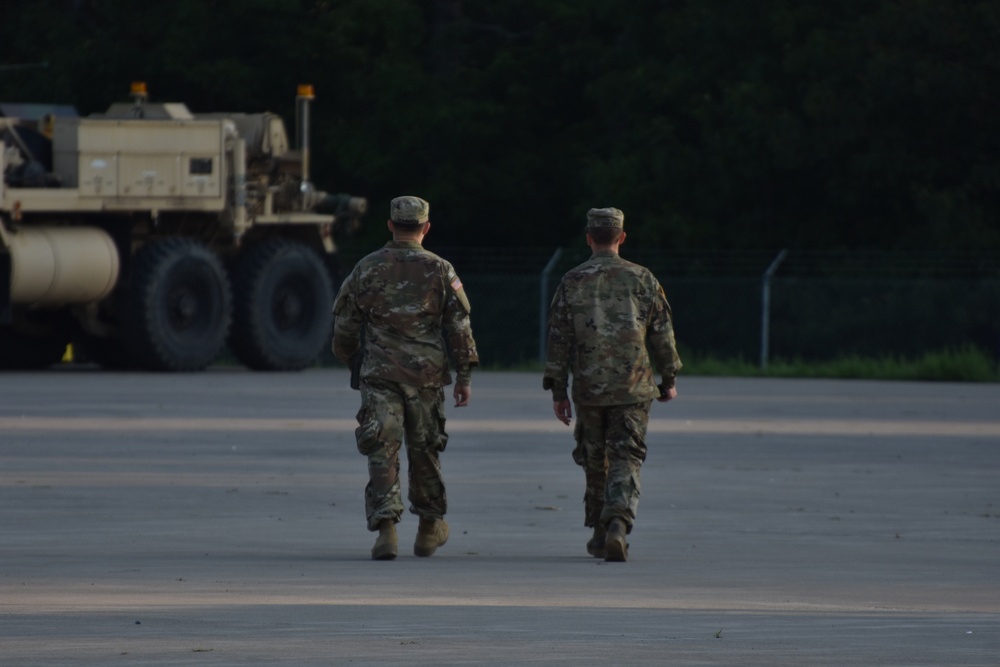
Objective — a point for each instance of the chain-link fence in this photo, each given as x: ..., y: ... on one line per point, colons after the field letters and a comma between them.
x: 820, y: 306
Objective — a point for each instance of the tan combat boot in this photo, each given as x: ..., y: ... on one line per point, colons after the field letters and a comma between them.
x: 430, y: 535
x: 595, y: 545
x: 386, y: 543
x: 614, y: 542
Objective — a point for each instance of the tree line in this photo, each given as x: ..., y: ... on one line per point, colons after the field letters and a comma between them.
x: 721, y: 125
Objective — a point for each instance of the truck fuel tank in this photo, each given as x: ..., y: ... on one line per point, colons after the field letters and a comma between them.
x: 57, y: 265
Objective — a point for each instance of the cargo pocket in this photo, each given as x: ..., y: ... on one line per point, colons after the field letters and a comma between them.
x: 367, y: 431
x: 441, y: 437
x: 579, y: 452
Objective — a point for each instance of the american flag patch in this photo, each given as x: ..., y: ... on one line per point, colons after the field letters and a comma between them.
x: 456, y: 284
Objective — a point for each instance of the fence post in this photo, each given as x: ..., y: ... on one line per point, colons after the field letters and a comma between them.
x: 765, y: 308
x: 543, y: 303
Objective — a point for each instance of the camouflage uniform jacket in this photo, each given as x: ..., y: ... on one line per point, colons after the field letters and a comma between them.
x: 604, y: 315
x: 408, y: 300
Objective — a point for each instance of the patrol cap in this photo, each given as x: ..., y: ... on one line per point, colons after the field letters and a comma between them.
x: 409, y: 210
x: 611, y: 218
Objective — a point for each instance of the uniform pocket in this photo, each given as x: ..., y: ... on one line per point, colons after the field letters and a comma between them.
x: 579, y: 452
x: 367, y: 431
x: 441, y: 437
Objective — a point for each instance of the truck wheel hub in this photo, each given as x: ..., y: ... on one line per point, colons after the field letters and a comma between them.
x: 288, y: 310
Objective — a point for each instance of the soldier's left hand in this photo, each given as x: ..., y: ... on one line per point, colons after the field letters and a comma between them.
x: 670, y: 394
x: 463, y: 393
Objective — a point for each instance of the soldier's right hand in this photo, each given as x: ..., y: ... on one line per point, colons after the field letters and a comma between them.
x: 668, y: 395
x: 563, y: 410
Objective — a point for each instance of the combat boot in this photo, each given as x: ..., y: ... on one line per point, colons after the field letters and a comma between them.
x: 595, y: 545
x: 431, y: 534
x: 386, y: 543
x: 614, y: 542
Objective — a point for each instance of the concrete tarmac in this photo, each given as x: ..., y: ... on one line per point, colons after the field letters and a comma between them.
x: 217, y: 518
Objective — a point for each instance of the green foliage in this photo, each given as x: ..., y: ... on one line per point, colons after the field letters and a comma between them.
x: 811, y: 124
x: 963, y: 364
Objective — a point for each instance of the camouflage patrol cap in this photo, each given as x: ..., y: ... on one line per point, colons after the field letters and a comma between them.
x: 605, y: 217
x: 409, y: 210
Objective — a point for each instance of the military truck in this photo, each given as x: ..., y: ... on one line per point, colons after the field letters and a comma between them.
x: 152, y: 237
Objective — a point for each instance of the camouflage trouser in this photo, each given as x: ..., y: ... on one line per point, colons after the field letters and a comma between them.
x: 392, y: 413
x: 611, y: 447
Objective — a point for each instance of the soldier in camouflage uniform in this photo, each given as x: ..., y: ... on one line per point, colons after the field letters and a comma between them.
x: 606, y: 318
x: 408, y: 301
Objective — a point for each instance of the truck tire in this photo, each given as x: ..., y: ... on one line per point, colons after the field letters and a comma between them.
x: 283, y: 297
x: 178, y: 306
x: 20, y: 351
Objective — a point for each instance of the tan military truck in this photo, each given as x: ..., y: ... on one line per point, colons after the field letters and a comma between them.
x: 152, y: 237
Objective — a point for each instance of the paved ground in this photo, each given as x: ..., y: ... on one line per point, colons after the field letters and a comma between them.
x: 217, y: 519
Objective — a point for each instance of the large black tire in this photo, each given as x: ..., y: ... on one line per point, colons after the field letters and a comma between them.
x: 282, y: 306
x: 178, y: 306
x: 19, y: 351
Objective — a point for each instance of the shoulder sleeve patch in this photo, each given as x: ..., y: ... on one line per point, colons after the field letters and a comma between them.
x: 343, y: 296
x: 456, y: 286
x: 340, y: 304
